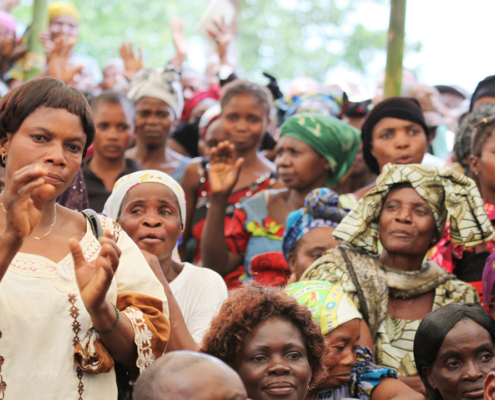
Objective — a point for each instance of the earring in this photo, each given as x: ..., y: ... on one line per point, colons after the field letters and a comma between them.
x: 4, y: 157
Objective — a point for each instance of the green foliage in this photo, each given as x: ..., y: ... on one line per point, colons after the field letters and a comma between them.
x: 286, y: 37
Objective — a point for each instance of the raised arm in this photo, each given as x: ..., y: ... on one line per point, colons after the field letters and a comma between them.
x: 223, y: 174
x: 180, y: 42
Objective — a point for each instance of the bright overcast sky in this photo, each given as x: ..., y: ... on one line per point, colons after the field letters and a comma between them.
x: 456, y: 36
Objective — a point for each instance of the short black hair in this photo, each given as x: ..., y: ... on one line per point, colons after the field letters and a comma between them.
x: 111, y: 97
x: 434, y: 328
x: 482, y: 132
x: 21, y: 102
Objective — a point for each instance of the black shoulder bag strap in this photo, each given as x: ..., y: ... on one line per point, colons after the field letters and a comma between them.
x: 124, y: 389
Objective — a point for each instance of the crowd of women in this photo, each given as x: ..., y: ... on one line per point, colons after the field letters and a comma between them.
x: 173, y: 235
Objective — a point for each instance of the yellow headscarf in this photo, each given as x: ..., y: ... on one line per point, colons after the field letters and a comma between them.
x: 59, y: 8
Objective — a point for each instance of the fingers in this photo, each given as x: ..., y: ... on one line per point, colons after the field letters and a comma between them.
x: 140, y: 50
x: 77, y: 254
x: 72, y: 73
x: 110, y: 253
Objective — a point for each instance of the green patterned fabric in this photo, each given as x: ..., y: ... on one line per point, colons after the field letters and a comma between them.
x: 445, y: 191
x: 334, y: 140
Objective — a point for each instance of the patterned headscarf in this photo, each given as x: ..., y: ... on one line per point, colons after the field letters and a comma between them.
x: 334, y: 140
x: 445, y: 191
x: 59, y: 8
x: 329, y: 305
x: 321, y: 208
x: 155, y: 82
x: 127, y: 182
x: 462, y: 146
x: 331, y: 104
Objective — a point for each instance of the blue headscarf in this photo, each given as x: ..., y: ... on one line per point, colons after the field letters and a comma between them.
x: 321, y: 208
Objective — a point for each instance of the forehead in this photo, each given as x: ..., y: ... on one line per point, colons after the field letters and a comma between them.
x: 318, y: 235
x: 465, y: 336
x: 406, y: 195
x: 274, y: 333
x: 393, y: 123
x: 110, y: 111
x: 150, y: 192
x: 56, y: 120
x: 215, y: 130
x: 64, y: 19
x: 151, y: 103
x: 287, y: 141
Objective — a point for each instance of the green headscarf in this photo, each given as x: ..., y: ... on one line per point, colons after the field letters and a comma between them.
x: 334, y: 140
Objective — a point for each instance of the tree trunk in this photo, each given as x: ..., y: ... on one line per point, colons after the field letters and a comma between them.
x: 36, y: 58
x: 395, y: 48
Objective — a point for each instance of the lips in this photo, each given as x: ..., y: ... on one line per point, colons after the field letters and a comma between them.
x: 474, y: 393
x: 401, y: 234
x: 54, y: 179
x: 404, y: 160
x: 279, y: 388
x: 151, y: 239
x: 113, y: 149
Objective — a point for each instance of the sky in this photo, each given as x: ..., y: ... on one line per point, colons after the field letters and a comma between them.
x: 456, y: 39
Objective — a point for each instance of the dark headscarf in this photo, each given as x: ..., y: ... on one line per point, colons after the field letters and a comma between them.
x: 486, y: 88
x: 394, y: 107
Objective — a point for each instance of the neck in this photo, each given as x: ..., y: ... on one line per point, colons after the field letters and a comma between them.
x: 354, y: 182
x: 104, y: 164
x: 170, y: 268
x: 250, y: 156
x: 151, y: 155
x: 488, y: 193
x: 401, y: 261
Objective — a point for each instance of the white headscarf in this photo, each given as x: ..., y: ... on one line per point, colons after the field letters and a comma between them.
x: 127, y: 182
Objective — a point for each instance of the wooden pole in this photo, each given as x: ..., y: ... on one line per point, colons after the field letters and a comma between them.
x: 35, y: 57
x: 395, y: 48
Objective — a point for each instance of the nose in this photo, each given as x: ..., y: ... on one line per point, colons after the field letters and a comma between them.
x: 349, y: 358
x: 404, y: 215
x: 113, y: 133
x: 473, y: 372
x: 278, y: 367
x: 55, y: 155
x: 282, y: 159
x: 402, y: 141
x: 153, y: 119
x: 241, y: 125
x: 151, y: 220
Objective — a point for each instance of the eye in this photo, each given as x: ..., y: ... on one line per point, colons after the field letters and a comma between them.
x: 392, y: 207
x: 165, y: 212
x: 103, y: 126
x: 144, y: 114
x: 294, y: 356
x: 232, y: 117
x: 162, y: 114
x: 124, y: 127
x: 340, y: 347
x: 420, y: 212
x: 279, y: 152
x: 136, y: 210
x: 253, y: 119
x: 258, y: 359
x: 453, y: 364
x: 414, y: 131
x: 316, y: 255
x: 73, y: 148
x: 294, y: 152
x: 486, y: 357
x: 386, y: 135
x: 39, y: 138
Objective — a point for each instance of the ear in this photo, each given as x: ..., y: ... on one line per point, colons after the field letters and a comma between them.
x: 4, y: 143
x: 490, y: 386
x: 427, y: 372
x: 292, y: 263
x: 474, y: 165
x: 327, y: 167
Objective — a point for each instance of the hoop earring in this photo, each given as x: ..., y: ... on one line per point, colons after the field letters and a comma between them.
x: 4, y: 157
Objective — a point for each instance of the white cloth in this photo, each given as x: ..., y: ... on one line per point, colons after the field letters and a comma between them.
x: 200, y: 293
x: 43, y: 317
x: 127, y: 182
x: 430, y: 160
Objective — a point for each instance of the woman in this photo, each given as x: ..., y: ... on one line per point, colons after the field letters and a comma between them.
x: 270, y: 340
x: 395, y: 290
x: 150, y: 206
x: 70, y: 308
x: 454, y: 351
x: 350, y: 370
x: 313, y: 151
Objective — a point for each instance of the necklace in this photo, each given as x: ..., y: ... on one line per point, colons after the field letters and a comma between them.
x: 51, y: 226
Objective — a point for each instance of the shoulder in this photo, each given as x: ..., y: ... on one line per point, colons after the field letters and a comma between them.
x: 191, y: 174
x: 132, y: 166
x: 205, y: 278
x: 456, y: 291
x: 75, y: 218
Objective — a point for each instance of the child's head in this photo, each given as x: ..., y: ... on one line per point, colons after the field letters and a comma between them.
x: 245, y: 113
x: 114, y: 122
x: 483, y: 154
x: 488, y: 283
x: 340, y: 324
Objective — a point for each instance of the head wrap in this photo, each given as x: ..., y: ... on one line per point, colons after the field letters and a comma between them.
x: 210, y: 115
x: 210, y: 93
x: 485, y: 88
x: 329, y: 305
x: 321, y: 208
x: 488, y: 279
x: 155, y: 82
x: 445, y: 191
x: 462, y: 146
x: 394, y: 107
x: 455, y: 90
x: 331, y: 104
x: 59, y: 8
x: 334, y: 140
x: 431, y: 103
x: 127, y: 182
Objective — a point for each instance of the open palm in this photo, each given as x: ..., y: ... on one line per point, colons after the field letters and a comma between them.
x: 223, y: 171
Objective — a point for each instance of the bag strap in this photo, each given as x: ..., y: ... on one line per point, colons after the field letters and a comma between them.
x: 95, y: 222
x: 359, y: 289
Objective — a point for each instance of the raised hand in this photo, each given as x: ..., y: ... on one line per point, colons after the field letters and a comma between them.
x: 94, y: 277
x: 223, y: 171
x: 24, y: 199
x: 223, y: 35
x: 58, y: 60
x: 132, y: 64
x: 181, y: 43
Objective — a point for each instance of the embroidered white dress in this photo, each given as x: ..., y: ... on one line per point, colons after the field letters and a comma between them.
x: 43, y: 319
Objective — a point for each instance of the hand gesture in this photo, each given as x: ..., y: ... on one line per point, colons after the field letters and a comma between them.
x: 58, y: 60
x: 7, y: 42
x: 132, y: 64
x: 223, y: 171
x: 45, y: 37
x: 180, y: 42
x: 94, y: 277
x: 222, y: 36
x: 24, y: 199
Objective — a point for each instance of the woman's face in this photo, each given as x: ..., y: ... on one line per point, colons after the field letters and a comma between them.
x: 150, y: 215
x: 407, y: 225
x: 154, y: 121
x: 299, y: 166
x: 213, y: 136
x: 52, y: 137
x: 484, y: 166
x: 342, y: 344
x: 311, y: 247
x: 398, y: 141
x: 64, y: 26
x: 273, y: 362
x: 113, y: 131
x: 244, y: 122
x: 463, y: 362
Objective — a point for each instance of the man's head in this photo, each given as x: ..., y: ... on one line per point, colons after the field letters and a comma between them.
x: 188, y: 375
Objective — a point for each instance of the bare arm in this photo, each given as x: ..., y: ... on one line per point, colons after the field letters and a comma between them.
x: 190, y: 184
x: 414, y: 382
x: 366, y: 339
x: 393, y: 389
x: 180, y: 42
x: 223, y: 174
